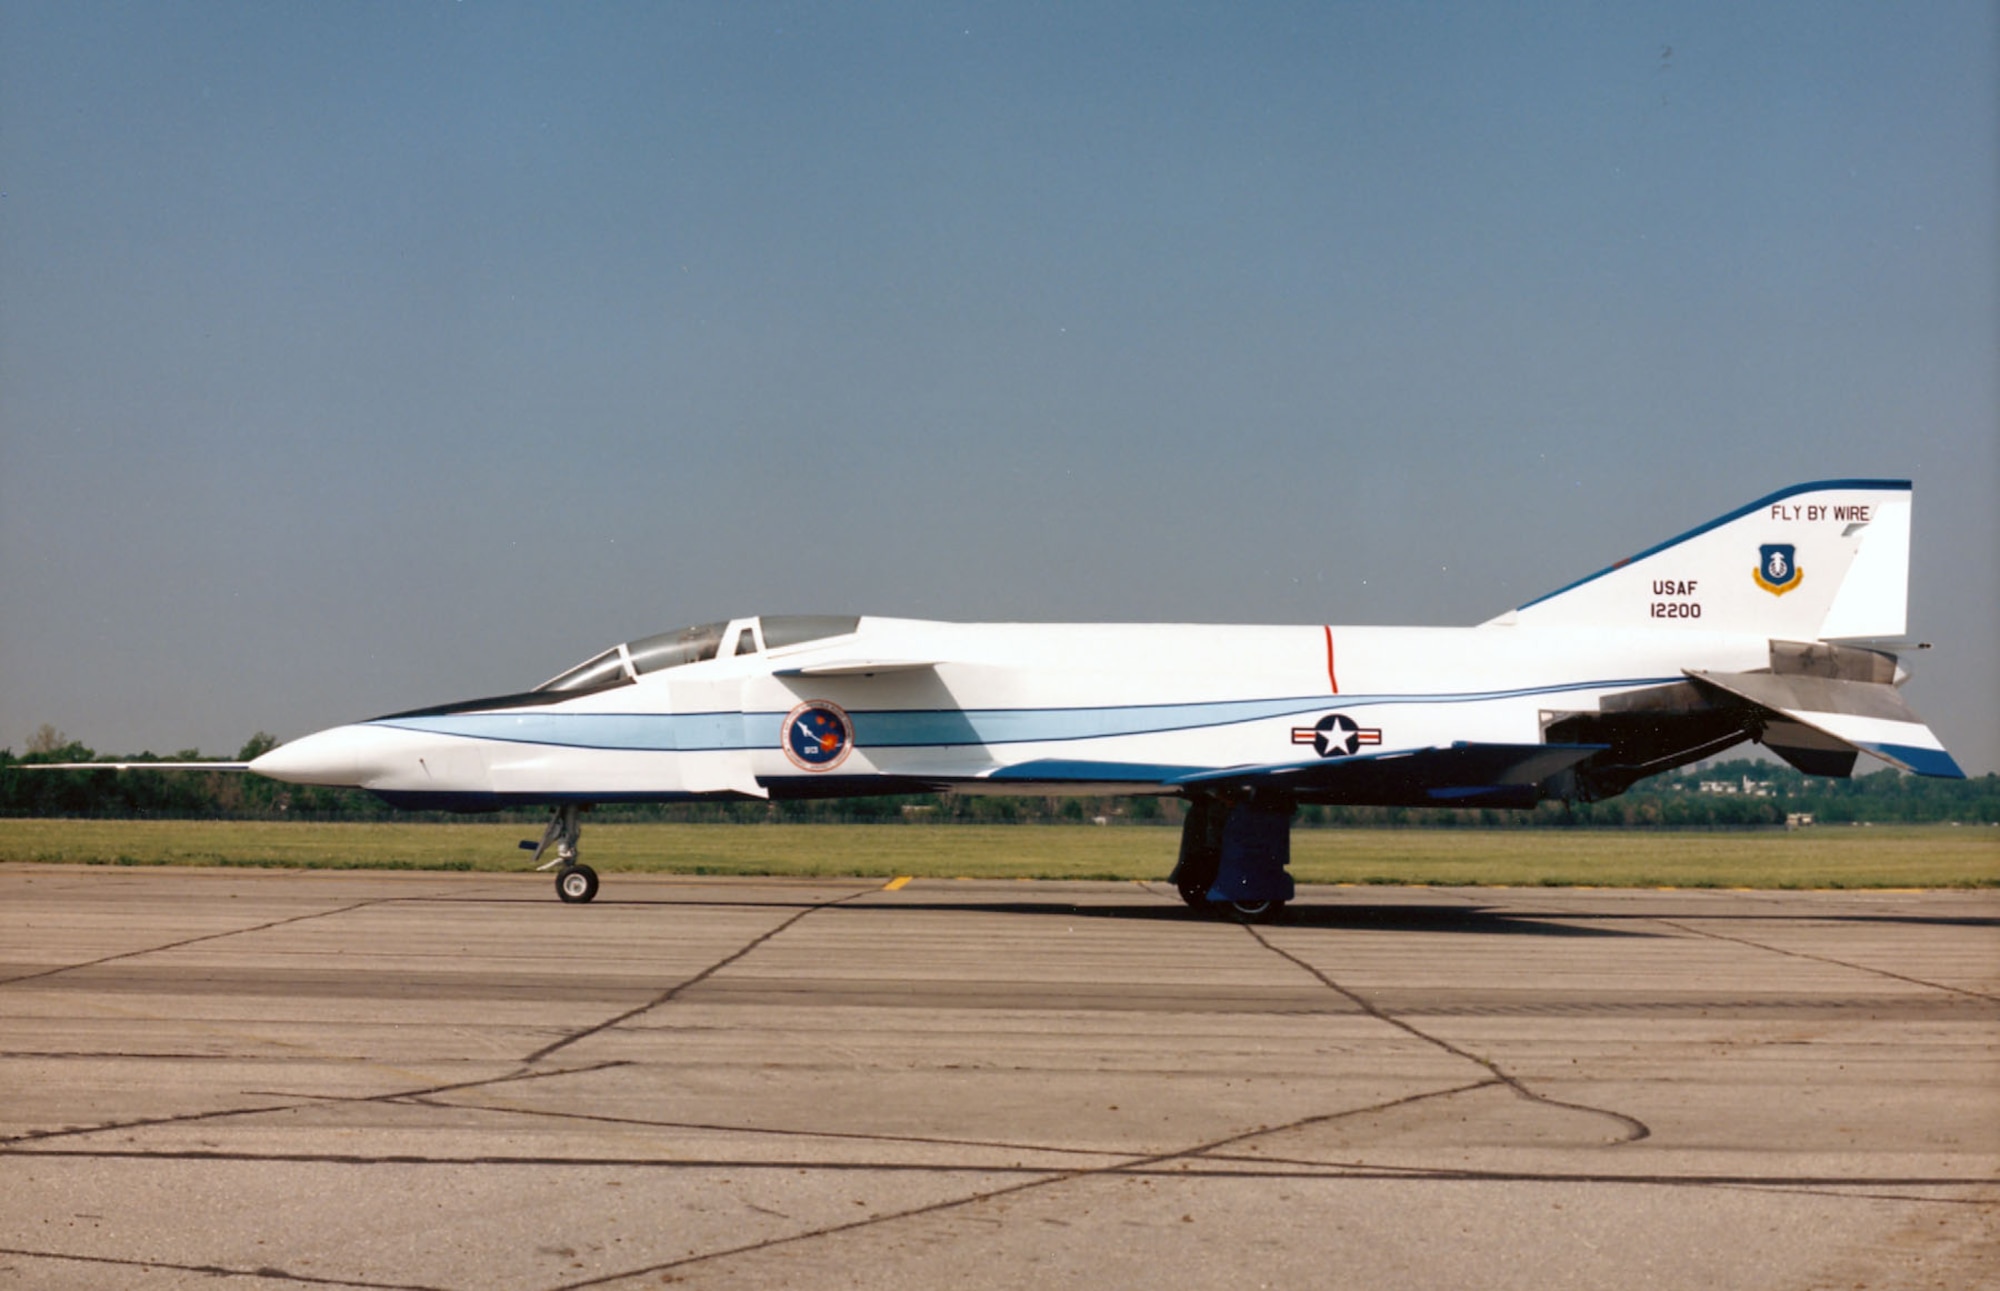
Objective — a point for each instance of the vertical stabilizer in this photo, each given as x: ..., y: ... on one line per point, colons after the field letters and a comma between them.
x: 1813, y: 562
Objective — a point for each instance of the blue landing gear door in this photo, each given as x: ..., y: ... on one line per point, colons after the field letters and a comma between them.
x: 1256, y: 848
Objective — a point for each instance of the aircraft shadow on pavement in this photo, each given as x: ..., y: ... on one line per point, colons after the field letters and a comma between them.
x: 1380, y: 917
x: 1914, y: 919
x: 1919, y: 920
x: 1384, y: 916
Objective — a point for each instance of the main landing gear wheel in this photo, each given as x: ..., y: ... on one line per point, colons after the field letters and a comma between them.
x: 576, y: 883
x: 1254, y: 911
x: 1195, y: 892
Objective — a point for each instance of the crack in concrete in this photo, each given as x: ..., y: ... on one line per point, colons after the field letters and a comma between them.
x: 297, y: 1101
x: 1136, y: 1166
x: 671, y: 993
x: 1827, y: 959
x: 1635, y: 1129
x: 760, y: 1131
x: 266, y: 1272
x: 193, y: 941
x: 1146, y: 1167
x: 1982, y: 997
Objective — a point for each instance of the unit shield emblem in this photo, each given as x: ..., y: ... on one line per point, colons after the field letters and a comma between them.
x: 1778, y: 569
x: 818, y: 735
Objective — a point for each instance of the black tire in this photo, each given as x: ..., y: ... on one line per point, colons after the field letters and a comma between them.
x: 576, y: 884
x: 1201, y: 852
x: 1255, y: 911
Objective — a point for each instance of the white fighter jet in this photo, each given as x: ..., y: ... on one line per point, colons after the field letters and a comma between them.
x: 1777, y: 623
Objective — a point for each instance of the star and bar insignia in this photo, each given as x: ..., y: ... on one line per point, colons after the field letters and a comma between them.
x: 1336, y: 735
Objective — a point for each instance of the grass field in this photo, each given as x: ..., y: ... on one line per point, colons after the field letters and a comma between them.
x: 1825, y: 857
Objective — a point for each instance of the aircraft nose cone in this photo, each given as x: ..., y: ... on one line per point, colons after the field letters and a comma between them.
x: 344, y: 755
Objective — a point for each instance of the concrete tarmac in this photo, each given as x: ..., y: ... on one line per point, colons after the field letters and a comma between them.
x: 454, y: 1081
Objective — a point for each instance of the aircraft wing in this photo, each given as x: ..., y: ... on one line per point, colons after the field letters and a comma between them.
x: 1472, y: 775
x: 1817, y: 723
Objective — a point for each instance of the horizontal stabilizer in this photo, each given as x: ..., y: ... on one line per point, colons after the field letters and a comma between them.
x: 1817, y: 723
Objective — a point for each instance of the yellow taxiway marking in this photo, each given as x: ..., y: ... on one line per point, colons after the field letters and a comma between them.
x: 896, y: 884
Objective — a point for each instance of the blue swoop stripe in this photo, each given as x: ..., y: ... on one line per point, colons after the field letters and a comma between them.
x: 922, y: 728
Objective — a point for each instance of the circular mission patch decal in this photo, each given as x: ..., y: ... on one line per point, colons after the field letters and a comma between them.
x: 818, y: 735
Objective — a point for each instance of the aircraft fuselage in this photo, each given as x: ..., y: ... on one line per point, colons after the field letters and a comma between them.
x: 906, y: 705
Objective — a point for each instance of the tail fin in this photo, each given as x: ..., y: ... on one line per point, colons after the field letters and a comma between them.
x: 1821, y: 561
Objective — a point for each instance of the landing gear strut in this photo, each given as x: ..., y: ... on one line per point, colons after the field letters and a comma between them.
x: 575, y: 881
x: 1234, y: 850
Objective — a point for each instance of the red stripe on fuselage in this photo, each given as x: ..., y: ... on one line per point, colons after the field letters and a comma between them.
x: 1331, y: 679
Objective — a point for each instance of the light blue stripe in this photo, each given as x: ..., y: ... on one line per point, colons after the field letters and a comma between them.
x: 639, y: 731
x: 929, y: 728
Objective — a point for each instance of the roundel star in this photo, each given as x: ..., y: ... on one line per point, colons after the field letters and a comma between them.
x: 1337, y: 735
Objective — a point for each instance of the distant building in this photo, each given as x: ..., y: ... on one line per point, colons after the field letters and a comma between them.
x: 1748, y: 787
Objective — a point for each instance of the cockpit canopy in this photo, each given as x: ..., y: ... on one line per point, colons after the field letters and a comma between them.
x: 623, y: 664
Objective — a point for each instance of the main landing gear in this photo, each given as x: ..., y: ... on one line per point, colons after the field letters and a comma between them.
x: 1234, y: 849
x: 575, y: 881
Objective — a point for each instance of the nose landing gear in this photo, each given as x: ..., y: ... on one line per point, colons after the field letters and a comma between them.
x: 575, y: 881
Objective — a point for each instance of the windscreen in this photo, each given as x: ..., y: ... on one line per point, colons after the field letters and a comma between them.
x: 649, y: 654
x: 594, y: 673
x: 672, y: 649
x: 796, y: 629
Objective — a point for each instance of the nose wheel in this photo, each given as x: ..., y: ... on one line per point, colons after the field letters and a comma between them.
x: 575, y: 881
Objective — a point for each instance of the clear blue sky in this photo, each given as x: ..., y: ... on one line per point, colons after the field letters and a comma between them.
x: 358, y: 356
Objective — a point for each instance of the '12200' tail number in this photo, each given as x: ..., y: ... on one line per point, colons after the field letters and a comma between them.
x: 1681, y: 609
